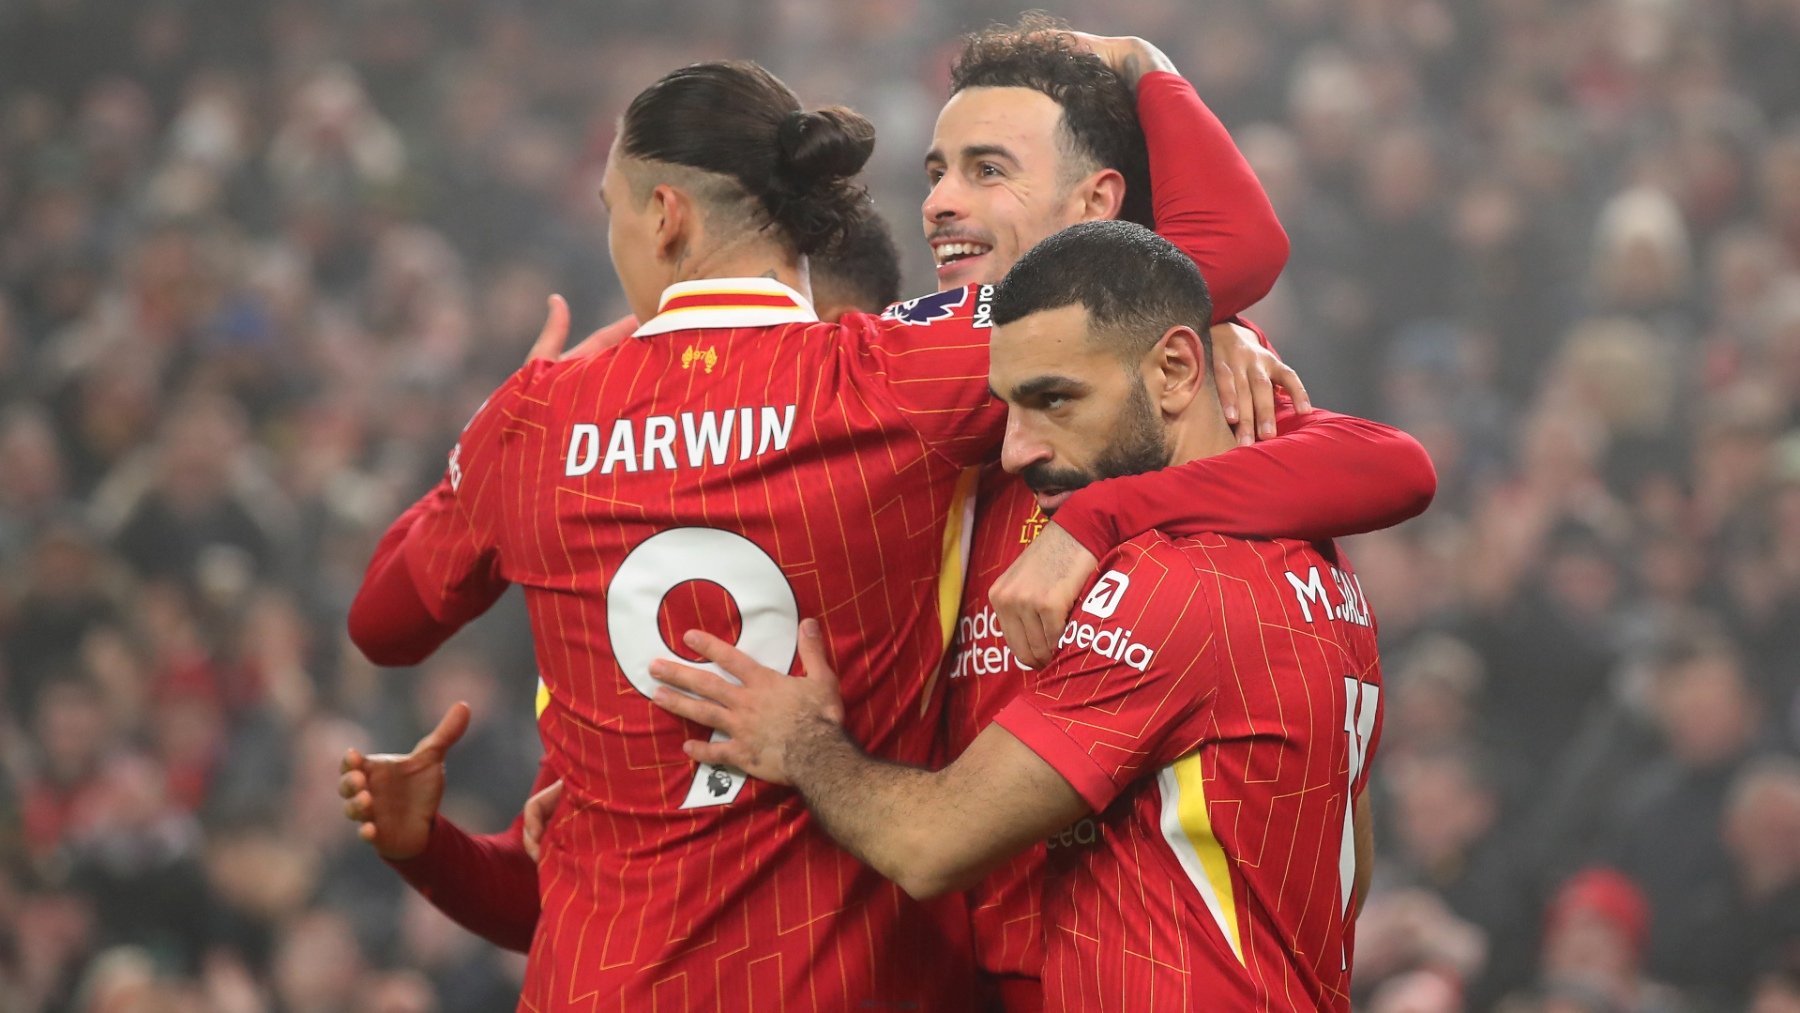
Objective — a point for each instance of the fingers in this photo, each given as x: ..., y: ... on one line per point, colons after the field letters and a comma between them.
x: 720, y: 754
x: 813, y: 657
x: 1288, y: 380
x: 815, y: 661
x: 1245, y: 397
x: 360, y: 807
x: 538, y: 810
x: 606, y: 337
x: 366, y: 831
x: 353, y: 760
x: 550, y: 340
x: 449, y: 730
x: 697, y: 681
x: 1225, y: 378
x: 1262, y: 391
x: 726, y: 656
x: 351, y: 783
x: 683, y: 706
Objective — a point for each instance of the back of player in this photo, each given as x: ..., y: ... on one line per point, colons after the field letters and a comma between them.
x: 733, y: 466
x: 731, y: 478
x: 1216, y: 701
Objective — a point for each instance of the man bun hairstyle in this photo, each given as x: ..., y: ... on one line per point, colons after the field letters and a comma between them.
x: 739, y: 123
x: 1134, y: 284
x: 1100, y: 128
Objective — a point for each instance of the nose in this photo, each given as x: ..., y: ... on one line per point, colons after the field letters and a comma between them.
x: 945, y: 201
x: 1023, y: 447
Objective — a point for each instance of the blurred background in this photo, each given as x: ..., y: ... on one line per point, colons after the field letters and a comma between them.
x: 260, y: 260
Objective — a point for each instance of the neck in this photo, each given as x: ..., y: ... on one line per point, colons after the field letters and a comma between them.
x: 1200, y: 432
x: 747, y: 260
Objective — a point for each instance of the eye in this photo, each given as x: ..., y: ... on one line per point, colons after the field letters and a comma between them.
x: 1052, y: 402
x: 934, y: 174
x: 988, y: 170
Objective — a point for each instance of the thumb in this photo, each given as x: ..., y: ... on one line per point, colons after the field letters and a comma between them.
x: 813, y: 657
x: 448, y: 732
x: 550, y: 340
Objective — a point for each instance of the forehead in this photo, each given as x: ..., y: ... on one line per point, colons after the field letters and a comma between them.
x: 1023, y: 120
x: 1048, y: 342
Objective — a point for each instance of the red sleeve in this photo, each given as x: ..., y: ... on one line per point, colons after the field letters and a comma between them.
x: 486, y: 883
x: 438, y: 565
x: 1126, y: 691
x: 1323, y: 476
x: 1207, y: 200
x: 927, y: 360
x: 388, y: 621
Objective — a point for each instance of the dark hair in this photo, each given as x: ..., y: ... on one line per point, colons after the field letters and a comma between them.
x: 736, y: 120
x: 862, y: 267
x: 1099, y: 112
x: 1134, y: 284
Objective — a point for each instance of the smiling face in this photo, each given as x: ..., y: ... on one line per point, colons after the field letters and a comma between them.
x: 1076, y: 412
x: 1001, y: 182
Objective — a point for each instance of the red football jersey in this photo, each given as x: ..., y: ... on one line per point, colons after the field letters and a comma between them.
x: 735, y: 466
x: 1216, y: 701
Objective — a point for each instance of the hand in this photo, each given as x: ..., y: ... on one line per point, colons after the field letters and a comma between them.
x: 550, y: 340
x: 764, y: 715
x: 1247, y: 374
x: 394, y: 798
x: 1129, y: 56
x: 1033, y: 597
x: 538, y: 810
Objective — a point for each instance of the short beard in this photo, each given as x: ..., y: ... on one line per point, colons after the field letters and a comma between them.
x: 1138, y: 445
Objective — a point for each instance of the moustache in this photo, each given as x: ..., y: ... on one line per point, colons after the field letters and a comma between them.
x: 1043, y: 477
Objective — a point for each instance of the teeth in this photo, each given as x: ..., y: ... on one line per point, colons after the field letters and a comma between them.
x: 949, y: 251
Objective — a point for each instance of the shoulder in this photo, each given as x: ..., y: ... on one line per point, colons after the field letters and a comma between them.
x: 971, y: 303
x: 1151, y: 584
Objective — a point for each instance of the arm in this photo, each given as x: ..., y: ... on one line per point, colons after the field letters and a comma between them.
x: 486, y: 883
x: 930, y: 832
x: 1207, y: 200
x: 1324, y: 476
x: 389, y: 621
x: 396, y: 619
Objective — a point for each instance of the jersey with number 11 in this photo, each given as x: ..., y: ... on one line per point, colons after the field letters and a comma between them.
x: 735, y: 466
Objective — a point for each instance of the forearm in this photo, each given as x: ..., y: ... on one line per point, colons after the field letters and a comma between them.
x: 890, y: 816
x: 1206, y: 198
x: 486, y: 883
x: 1326, y: 476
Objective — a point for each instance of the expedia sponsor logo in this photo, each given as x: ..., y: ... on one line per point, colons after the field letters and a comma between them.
x: 1112, y: 643
x: 1104, y: 599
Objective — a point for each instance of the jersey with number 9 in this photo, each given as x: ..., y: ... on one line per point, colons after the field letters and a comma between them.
x: 735, y: 473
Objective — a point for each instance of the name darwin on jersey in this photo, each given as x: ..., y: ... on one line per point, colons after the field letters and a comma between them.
x: 690, y: 439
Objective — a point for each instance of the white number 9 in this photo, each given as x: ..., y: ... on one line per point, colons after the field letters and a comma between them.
x: 764, y: 599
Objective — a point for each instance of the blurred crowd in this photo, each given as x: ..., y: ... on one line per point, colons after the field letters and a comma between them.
x: 259, y: 261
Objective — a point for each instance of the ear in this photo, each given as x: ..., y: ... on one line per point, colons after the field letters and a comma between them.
x: 1176, y: 371
x: 1102, y: 195
x: 673, y: 214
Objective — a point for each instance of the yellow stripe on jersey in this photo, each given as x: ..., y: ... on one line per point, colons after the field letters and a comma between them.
x: 955, y: 568
x: 543, y: 699
x: 1188, y: 828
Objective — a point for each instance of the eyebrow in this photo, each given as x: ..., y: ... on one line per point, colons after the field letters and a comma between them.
x: 974, y: 151
x: 1044, y: 384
